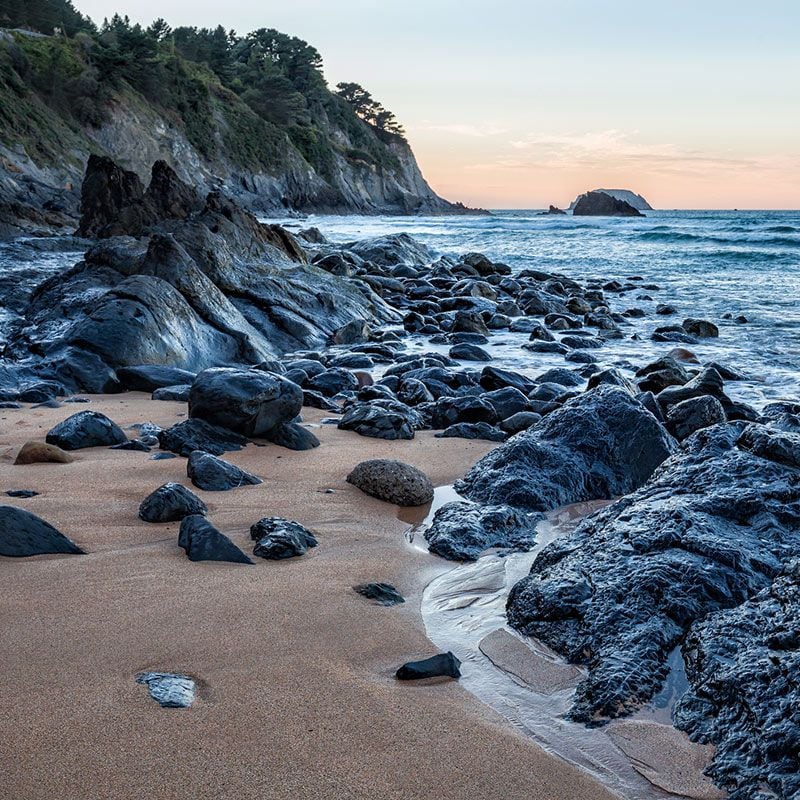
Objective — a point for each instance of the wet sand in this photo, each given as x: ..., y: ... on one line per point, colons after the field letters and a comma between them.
x: 298, y: 698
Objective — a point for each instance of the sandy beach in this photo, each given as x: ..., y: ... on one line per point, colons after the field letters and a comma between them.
x: 298, y: 696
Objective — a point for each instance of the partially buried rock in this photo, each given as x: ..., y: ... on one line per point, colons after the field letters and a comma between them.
x: 382, y: 593
x: 293, y: 437
x: 41, y: 453
x: 203, y: 542
x: 197, y: 434
x: 392, y: 481
x: 135, y: 445
x: 278, y: 538
x: 461, y: 531
x: 169, y: 689
x: 171, y: 502
x: 215, y: 475
x: 441, y: 665
x: 24, y: 534
x: 86, y: 429
x: 22, y: 493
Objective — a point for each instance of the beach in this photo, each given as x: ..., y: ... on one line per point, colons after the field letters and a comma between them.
x: 296, y: 671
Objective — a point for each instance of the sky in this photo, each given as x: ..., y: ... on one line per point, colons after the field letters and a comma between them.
x: 523, y: 103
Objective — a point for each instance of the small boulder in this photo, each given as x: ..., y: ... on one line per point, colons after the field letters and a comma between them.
x: 689, y: 416
x: 86, y: 429
x: 185, y: 437
x: 42, y: 453
x: 441, y: 665
x: 392, y: 481
x: 277, y: 538
x: 168, y: 689
x: 382, y: 593
x: 169, y: 503
x: 203, y: 542
x: 701, y: 328
x: 212, y: 474
x: 24, y: 534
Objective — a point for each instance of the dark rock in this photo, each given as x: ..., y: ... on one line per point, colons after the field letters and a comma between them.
x: 162, y: 456
x: 383, y: 593
x: 601, y: 444
x: 553, y: 210
x: 169, y: 503
x: 505, y: 402
x: 250, y: 402
x: 493, y: 378
x: 392, y: 481
x: 701, y: 328
x: 469, y: 352
x: 665, y: 309
x: 689, y: 416
x: 461, y: 531
x: 149, y: 377
x: 473, y: 430
x: 333, y: 382
x: 23, y: 493
x: 86, y: 429
x: 24, y: 534
x: 713, y: 527
x: 203, y: 542
x: 369, y: 419
x: 561, y: 376
x: 212, y: 474
x: 185, y: 437
x: 600, y: 204
x: 293, y: 437
x: 413, y: 392
x: 520, y: 421
x: 611, y: 377
x: 452, y: 410
x: 353, y: 332
x: 442, y: 665
x: 178, y: 393
x: 135, y: 445
x: 277, y: 538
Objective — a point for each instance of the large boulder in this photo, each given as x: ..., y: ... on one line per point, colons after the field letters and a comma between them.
x: 86, y: 429
x: 600, y: 204
x: 601, y: 444
x: 716, y: 525
x: 392, y: 481
x: 250, y: 402
x: 24, y: 534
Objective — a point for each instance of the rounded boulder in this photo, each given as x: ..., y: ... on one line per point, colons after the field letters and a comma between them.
x: 392, y: 481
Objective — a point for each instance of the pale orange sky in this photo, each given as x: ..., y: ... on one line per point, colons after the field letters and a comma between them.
x: 522, y: 103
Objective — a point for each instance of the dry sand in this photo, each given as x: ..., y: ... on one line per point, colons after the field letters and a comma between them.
x: 298, y: 698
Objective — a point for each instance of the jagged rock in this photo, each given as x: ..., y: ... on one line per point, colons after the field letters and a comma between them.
x: 86, y: 429
x: 715, y: 525
x: 600, y: 204
x: 553, y: 210
x: 601, y: 444
x: 441, y: 665
x: 392, y: 481
x: 149, y: 377
x: 24, y: 534
x: 277, y: 538
x: 382, y: 593
x: 689, y: 416
x: 203, y: 542
x: 212, y: 474
x: 41, y: 453
x: 169, y: 689
x: 250, y: 402
x: 472, y: 430
x: 392, y: 250
x: 185, y: 437
x: 461, y: 531
x: 743, y: 694
x: 449, y: 411
x: 368, y: 419
x: 171, y: 502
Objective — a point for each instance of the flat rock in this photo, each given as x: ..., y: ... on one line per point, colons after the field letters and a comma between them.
x: 392, y: 481
x: 24, y: 534
x: 86, y: 429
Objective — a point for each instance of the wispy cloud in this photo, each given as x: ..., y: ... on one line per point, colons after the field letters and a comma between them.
x: 481, y: 131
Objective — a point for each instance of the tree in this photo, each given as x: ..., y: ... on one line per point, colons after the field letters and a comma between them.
x: 369, y: 109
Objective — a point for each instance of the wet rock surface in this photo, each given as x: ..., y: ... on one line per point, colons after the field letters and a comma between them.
x: 277, y: 538
x: 203, y: 542
x: 462, y: 531
x: 86, y: 429
x: 24, y: 534
x: 186, y: 437
x: 716, y: 525
x: 382, y: 593
x: 213, y: 474
x: 392, y: 481
x: 601, y: 444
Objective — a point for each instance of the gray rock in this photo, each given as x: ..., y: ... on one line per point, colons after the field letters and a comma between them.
x: 212, y: 474
x: 392, y: 481
x: 689, y: 416
x: 277, y: 538
x: 169, y: 503
x: 473, y: 430
x: 24, y: 534
x: 169, y: 689
x: 178, y: 393
x: 86, y: 429
x: 461, y: 531
x: 601, y: 444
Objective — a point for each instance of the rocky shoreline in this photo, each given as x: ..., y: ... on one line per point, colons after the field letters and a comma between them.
x: 194, y: 300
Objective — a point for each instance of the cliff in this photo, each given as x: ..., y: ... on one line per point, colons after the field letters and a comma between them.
x: 258, y: 122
